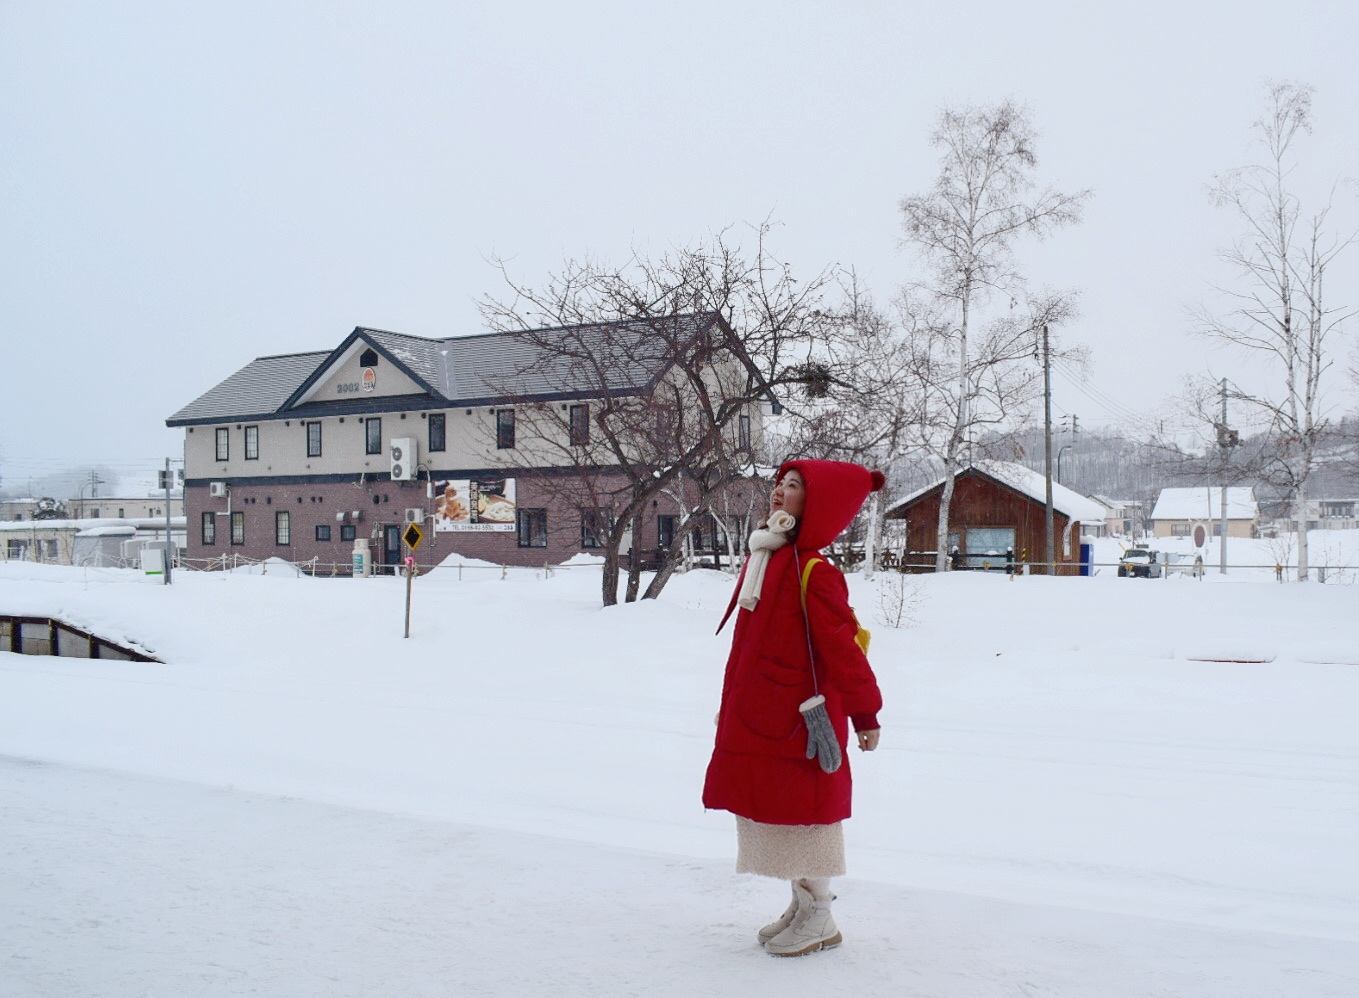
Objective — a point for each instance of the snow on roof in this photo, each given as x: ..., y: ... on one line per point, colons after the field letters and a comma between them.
x: 1029, y: 482
x: 140, y: 488
x: 109, y: 530
x: 1034, y: 485
x: 143, y: 522
x: 1204, y: 502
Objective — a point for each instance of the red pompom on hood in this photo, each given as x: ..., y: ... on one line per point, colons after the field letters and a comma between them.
x: 835, y: 492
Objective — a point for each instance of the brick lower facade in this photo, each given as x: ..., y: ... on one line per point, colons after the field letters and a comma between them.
x: 376, y: 510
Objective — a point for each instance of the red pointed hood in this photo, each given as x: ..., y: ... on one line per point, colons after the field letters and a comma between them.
x: 835, y: 492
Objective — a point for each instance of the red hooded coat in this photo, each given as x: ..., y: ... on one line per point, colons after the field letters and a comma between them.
x: 759, y: 767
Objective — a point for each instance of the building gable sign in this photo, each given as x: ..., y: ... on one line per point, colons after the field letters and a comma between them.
x: 367, y: 383
x: 346, y: 378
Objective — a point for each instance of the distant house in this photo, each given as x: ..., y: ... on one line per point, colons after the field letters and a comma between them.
x: 43, y: 508
x: 17, y: 509
x: 106, y: 541
x: 997, y: 515
x: 1322, y: 514
x: 132, y: 504
x: 1109, y: 515
x: 1178, y: 510
x: 1125, y: 517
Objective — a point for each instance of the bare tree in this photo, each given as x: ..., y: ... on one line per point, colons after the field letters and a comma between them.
x: 1277, y: 308
x: 669, y: 352
x: 965, y: 229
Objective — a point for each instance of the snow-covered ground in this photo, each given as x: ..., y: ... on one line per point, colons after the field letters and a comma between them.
x: 1083, y: 790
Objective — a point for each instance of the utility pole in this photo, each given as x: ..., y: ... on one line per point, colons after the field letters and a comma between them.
x: 1049, y: 548
x: 1226, y: 439
x: 169, y: 539
x: 1222, y: 544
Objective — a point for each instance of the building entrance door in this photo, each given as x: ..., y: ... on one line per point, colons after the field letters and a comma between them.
x: 391, y: 548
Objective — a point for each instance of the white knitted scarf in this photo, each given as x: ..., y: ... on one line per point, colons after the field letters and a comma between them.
x: 763, y: 543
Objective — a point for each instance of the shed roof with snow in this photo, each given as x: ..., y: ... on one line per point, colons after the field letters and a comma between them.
x: 1029, y: 483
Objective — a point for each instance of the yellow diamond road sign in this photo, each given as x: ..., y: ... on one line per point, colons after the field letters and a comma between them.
x: 413, y: 536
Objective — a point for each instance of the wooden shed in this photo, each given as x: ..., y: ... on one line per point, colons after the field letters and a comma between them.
x: 997, y: 518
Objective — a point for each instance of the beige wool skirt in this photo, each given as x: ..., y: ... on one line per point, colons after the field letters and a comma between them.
x: 790, y: 852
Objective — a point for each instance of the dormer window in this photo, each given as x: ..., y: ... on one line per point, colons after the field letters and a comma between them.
x: 368, y: 358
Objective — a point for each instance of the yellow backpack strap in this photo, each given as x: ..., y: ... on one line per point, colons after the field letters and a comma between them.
x: 864, y: 635
x: 807, y: 574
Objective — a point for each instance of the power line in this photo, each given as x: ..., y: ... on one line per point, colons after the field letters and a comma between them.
x: 1112, y: 406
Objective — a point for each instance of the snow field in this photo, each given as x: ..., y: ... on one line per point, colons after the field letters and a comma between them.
x: 1066, y: 800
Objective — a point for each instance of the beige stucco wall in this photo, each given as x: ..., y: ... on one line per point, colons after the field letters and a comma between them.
x: 469, y: 443
x: 283, y: 445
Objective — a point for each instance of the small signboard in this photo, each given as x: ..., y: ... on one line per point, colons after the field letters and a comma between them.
x: 1200, y: 535
x: 413, y: 535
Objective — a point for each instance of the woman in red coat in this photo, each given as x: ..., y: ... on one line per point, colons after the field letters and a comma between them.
x: 788, y: 788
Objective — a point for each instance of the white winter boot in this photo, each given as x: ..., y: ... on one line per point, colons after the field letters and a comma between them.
x: 783, y: 921
x: 812, y: 927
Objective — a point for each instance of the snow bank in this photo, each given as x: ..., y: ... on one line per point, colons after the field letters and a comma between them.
x: 277, y: 567
x: 456, y: 560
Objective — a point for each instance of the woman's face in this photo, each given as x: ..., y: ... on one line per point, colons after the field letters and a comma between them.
x: 789, y: 495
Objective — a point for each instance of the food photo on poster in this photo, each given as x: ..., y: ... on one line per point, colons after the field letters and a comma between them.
x: 474, y: 504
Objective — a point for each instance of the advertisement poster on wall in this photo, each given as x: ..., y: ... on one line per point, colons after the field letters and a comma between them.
x: 469, y: 504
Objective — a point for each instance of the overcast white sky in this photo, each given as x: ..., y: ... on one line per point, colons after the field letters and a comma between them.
x: 186, y: 186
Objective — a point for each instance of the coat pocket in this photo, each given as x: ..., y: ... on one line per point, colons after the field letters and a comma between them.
x: 768, y: 706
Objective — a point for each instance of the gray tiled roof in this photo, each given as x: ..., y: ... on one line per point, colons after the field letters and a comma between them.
x: 419, y: 354
x: 457, y: 370
x: 257, y: 389
x: 518, y: 365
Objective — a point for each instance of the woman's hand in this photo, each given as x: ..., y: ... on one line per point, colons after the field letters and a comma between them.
x: 868, y: 740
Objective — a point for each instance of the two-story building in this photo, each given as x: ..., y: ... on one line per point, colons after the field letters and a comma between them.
x: 302, y: 455
x: 1322, y: 514
x: 126, y: 504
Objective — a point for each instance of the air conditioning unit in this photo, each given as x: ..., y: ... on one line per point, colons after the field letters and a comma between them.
x: 403, y: 459
x: 357, y: 515
x: 217, y: 490
x: 341, y: 516
x: 415, y: 515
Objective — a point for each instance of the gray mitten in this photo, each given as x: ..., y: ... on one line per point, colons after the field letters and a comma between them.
x: 821, y: 741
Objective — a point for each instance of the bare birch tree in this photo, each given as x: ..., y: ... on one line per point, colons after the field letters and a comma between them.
x: 965, y: 229
x: 679, y: 435
x: 1277, y: 307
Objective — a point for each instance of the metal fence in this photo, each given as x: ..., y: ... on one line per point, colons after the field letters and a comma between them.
x: 315, y: 568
